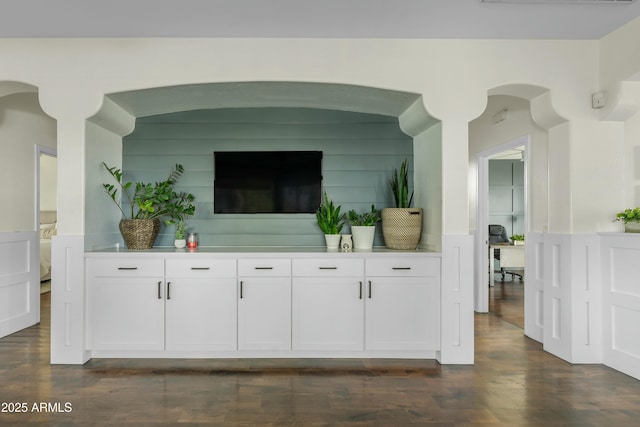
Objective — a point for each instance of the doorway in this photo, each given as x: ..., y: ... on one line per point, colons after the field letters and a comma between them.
x: 46, y: 210
x: 506, y: 218
x: 510, y: 207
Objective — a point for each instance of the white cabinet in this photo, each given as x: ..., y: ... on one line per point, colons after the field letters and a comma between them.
x: 201, y: 305
x: 402, y: 300
x: 137, y: 306
x: 391, y: 304
x: 127, y: 304
x: 264, y: 304
x: 328, y: 309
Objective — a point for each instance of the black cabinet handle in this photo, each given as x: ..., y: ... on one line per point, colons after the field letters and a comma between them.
x: 401, y: 268
x: 360, y: 289
x: 200, y: 268
x: 168, y: 290
x: 127, y: 268
x: 159, y: 290
x: 263, y: 268
x: 241, y: 286
x: 369, y: 289
x: 328, y: 268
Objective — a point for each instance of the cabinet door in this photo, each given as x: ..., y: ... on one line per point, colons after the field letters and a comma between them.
x: 328, y: 314
x: 264, y: 313
x: 201, y: 314
x: 128, y: 313
x: 401, y: 313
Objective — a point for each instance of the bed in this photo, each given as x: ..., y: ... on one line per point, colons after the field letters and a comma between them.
x: 48, y: 221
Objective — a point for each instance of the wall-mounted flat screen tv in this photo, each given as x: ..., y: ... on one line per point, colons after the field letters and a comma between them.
x: 267, y: 181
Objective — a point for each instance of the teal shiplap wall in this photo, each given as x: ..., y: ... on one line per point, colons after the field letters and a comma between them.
x: 360, y: 152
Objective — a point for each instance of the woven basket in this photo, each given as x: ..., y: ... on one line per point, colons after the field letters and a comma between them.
x: 139, y: 234
x: 402, y: 227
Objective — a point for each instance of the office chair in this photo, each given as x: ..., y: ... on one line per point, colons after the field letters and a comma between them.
x: 498, y: 234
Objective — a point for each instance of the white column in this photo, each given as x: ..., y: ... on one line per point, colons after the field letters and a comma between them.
x: 70, y: 107
x: 456, y: 308
x: 67, y: 252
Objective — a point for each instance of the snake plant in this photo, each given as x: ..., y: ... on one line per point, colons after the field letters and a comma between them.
x: 329, y: 218
x: 400, y: 186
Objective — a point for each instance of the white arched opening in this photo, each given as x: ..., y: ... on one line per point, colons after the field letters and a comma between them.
x: 119, y: 113
x: 534, y: 124
x: 24, y: 130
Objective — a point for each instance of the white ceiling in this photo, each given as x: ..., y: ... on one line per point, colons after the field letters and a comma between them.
x: 518, y: 19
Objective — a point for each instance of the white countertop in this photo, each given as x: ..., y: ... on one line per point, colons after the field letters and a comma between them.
x: 259, y: 251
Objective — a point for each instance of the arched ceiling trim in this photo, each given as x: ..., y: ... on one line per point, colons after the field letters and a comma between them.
x: 542, y: 110
x: 362, y: 99
x: 11, y: 88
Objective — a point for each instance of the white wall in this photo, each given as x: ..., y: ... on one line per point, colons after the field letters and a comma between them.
x: 620, y: 56
x: 23, y: 125
x: 427, y: 155
x: 452, y: 76
x: 632, y: 162
x: 102, y: 146
x: 620, y: 80
x: 48, y: 182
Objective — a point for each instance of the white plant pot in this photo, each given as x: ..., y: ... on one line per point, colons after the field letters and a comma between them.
x: 363, y: 236
x: 180, y: 243
x: 632, y: 227
x: 333, y: 241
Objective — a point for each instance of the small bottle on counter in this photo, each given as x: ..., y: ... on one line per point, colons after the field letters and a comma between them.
x: 192, y: 240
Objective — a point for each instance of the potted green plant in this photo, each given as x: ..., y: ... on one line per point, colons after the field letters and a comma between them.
x: 330, y: 221
x: 148, y: 204
x: 518, y: 239
x: 631, y: 220
x: 180, y: 241
x: 363, y: 228
x: 401, y: 225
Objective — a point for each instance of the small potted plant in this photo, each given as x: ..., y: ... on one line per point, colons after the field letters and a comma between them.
x: 363, y: 228
x: 631, y: 220
x: 518, y: 239
x: 148, y: 203
x: 401, y: 225
x: 330, y: 221
x: 180, y: 241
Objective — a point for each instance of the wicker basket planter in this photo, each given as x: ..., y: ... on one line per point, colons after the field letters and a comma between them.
x: 402, y: 227
x: 139, y: 234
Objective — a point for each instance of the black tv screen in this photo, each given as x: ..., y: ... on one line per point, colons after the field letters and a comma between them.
x: 267, y: 181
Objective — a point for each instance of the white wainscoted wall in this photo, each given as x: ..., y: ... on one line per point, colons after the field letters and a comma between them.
x: 68, y: 295
x: 583, y: 297
x: 19, y: 281
x: 456, y: 300
x: 620, y: 257
x: 572, y: 297
x: 534, y: 289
